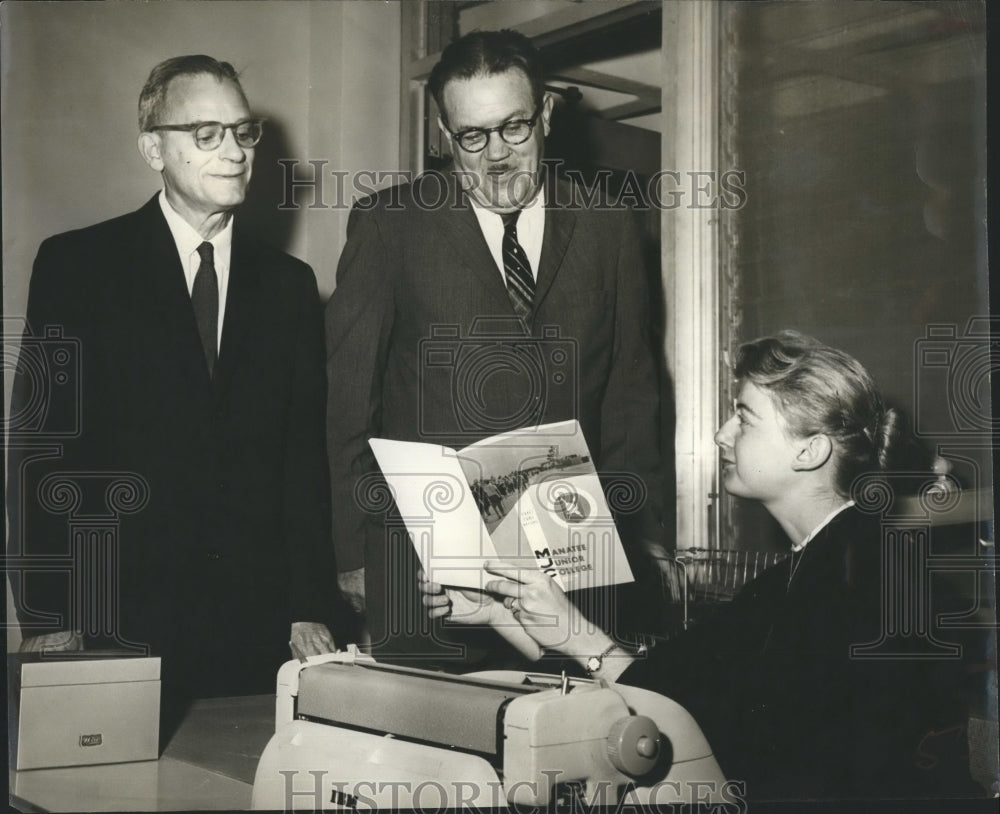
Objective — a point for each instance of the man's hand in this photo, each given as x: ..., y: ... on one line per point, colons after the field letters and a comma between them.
x: 464, y: 606
x: 64, y: 640
x: 352, y: 586
x: 310, y: 639
x: 477, y: 608
x: 656, y: 550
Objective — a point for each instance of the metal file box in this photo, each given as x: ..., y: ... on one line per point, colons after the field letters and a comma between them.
x: 81, y: 710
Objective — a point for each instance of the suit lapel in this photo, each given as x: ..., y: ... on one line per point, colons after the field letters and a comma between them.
x: 241, y: 306
x: 156, y: 252
x: 156, y: 259
x: 460, y: 228
x: 559, y: 226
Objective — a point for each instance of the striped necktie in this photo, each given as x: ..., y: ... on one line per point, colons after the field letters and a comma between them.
x: 205, y: 299
x: 517, y: 270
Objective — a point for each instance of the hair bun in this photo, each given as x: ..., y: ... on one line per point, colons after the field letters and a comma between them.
x: 887, y: 437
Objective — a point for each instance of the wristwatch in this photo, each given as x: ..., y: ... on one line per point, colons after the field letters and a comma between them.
x: 594, y: 663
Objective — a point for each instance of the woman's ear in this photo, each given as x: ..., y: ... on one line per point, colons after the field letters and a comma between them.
x: 814, y: 451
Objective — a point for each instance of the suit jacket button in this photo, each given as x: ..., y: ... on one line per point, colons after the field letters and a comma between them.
x: 214, y: 556
x: 223, y: 486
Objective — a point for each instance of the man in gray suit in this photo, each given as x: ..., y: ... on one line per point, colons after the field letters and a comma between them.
x: 478, y: 301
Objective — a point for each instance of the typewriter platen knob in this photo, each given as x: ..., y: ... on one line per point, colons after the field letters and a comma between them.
x: 634, y: 745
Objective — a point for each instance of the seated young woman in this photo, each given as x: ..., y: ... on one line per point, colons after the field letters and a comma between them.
x: 772, y: 679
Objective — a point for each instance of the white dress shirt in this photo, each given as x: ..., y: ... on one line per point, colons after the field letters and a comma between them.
x: 188, y: 240
x: 530, y: 231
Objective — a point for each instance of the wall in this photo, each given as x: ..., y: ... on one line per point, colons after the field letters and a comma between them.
x: 325, y: 74
x: 865, y: 191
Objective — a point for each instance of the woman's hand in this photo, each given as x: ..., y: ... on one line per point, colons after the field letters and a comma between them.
x: 470, y: 607
x: 540, y: 605
x: 552, y: 620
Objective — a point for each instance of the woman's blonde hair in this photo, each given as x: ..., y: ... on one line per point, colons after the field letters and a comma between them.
x: 822, y: 390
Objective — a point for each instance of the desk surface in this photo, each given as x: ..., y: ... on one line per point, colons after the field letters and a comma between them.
x: 208, y: 764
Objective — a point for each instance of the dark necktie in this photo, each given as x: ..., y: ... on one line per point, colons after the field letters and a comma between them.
x: 517, y: 270
x: 205, y: 299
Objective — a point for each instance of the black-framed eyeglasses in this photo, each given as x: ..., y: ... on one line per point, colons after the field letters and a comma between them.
x: 209, y: 135
x: 515, y: 131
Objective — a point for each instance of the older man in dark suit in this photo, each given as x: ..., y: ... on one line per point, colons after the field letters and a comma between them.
x: 478, y: 301
x: 201, y: 383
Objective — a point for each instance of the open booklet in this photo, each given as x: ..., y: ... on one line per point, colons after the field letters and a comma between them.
x: 530, y: 497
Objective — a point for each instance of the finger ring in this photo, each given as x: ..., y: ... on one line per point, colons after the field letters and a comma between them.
x: 515, y: 606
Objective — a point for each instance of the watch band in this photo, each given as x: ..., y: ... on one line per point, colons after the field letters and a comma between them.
x: 594, y: 663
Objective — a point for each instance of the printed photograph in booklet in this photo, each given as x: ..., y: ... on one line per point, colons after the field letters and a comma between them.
x: 529, y: 496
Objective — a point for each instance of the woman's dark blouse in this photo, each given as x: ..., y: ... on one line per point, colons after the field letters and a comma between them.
x: 772, y: 682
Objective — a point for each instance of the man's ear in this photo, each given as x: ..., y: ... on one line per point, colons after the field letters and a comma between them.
x: 547, y: 103
x: 814, y: 451
x: 149, y: 149
x: 442, y: 128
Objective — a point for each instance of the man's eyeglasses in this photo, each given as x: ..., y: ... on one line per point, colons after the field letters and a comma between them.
x: 515, y: 131
x: 209, y: 135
